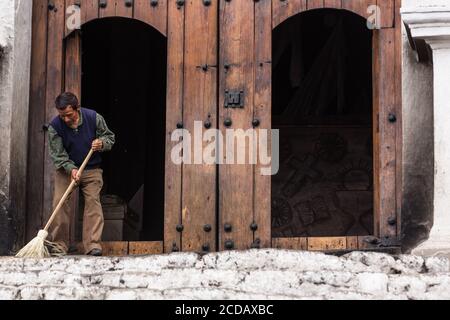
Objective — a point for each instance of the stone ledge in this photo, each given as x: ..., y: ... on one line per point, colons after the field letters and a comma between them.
x: 253, y: 274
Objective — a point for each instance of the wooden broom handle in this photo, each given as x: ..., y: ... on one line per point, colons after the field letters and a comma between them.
x: 69, y: 190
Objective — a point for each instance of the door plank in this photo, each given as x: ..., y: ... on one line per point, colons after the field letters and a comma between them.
x: 387, y: 9
x: 337, y: 4
x: 358, y: 6
x: 315, y: 4
x: 384, y: 87
x: 72, y: 83
x: 173, y: 172
x: 236, y: 180
x: 263, y: 112
x: 200, y: 94
x: 89, y: 10
x: 109, y: 10
x: 122, y: 10
x: 36, y: 151
x: 54, y: 88
x: 156, y: 16
x: 282, y: 10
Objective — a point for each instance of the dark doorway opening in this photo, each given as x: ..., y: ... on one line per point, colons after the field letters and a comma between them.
x: 322, y: 105
x: 124, y: 65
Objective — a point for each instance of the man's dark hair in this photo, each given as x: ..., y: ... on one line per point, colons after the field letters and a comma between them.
x: 66, y: 99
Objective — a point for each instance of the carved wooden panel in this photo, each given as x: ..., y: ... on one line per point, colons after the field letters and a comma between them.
x: 324, y: 186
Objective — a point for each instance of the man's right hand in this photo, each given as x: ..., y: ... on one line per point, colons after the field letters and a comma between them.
x: 75, y: 175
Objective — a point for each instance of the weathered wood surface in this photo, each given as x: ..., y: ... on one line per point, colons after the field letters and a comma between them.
x: 145, y: 248
x: 72, y: 83
x: 321, y: 243
x: 124, y: 10
x: 290, y: 243
x: 282, y: 10
x: 334, y: 4
x: 35, y: 169
x: 387, y: 11
x: 89, y: 10
x: 315, y: 4
x: 55, y: 74
x: 155, y: 16
x: 175, y: 80
x: 200, y: 105
x: 236, y: 188
x: 385, y: 138
x: 263, y: 113
x: 109, y: 10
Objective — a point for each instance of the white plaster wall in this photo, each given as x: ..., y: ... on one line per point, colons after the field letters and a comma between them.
x: 6, y: 22
x: 418, y: 143
x: 6, y: 83
x: 15, y: 51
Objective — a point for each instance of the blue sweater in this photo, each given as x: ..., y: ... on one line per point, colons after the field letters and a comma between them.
x: 78, y: 142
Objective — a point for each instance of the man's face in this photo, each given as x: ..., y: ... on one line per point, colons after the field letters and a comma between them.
x: 69, y: 115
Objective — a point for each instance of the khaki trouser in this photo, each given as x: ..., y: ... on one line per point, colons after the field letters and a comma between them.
x: 91, y: 184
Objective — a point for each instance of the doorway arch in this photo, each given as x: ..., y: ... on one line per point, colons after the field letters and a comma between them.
x: 124, y: 63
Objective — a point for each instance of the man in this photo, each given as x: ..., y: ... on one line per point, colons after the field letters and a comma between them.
x: 71, y: 136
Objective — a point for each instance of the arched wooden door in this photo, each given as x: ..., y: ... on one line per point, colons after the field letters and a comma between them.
x: 386, y: 70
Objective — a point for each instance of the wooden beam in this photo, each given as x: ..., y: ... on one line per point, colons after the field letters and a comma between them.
x: 290, y: 243
x: 327, y: 243
x: 145, y: 248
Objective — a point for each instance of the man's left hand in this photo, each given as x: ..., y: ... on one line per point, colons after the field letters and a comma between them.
x: 97, y: 145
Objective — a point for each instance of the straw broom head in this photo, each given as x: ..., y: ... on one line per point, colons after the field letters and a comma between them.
x: 35, y: 248
x: 38, y: 247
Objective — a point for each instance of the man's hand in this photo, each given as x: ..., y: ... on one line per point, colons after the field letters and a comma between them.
x: 97, y: 145
x: 75, y: 175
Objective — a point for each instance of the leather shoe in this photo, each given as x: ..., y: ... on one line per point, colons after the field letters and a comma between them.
x: 95, y: 252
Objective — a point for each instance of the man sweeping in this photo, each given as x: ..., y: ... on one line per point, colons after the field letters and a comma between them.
x: 71, y: 135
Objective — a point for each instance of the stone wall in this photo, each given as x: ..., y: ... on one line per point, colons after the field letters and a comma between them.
x: 254, y: 274
x: 15, y: 47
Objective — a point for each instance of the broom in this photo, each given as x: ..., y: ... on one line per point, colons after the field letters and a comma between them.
x: 37, y: 248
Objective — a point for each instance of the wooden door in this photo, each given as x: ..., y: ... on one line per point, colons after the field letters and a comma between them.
x: 386, y: 125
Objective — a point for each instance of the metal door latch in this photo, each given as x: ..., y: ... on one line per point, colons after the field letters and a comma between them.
x: 234, y: 99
